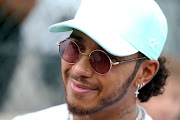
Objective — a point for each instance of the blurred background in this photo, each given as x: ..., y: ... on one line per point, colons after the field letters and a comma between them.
x: 30, y: 70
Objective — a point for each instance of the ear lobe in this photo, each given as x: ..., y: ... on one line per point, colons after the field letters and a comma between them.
x: 148, y: 70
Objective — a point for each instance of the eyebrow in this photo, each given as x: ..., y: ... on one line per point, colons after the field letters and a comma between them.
x: 79, y: 38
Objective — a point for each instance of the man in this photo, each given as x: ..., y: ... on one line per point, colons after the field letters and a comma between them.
x: 110, y: 60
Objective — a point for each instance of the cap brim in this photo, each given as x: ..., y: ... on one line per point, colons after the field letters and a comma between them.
x: 112, y: 43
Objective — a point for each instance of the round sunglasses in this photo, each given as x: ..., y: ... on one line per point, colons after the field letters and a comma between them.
x: 99, y: 61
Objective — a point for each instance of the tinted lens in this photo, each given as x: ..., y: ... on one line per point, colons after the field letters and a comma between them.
x: 69, y: 51
x: 100, y: 62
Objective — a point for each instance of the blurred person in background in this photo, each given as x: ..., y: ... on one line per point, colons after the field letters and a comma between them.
x: 36, y: 62
x: 111, y: 60
x: 12, y: 14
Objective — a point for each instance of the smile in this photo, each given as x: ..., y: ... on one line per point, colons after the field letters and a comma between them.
x: 80, y: 89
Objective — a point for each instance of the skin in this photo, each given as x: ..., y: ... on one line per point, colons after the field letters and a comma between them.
x: 105, y: 94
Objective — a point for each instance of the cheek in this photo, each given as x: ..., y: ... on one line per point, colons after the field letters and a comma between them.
x: 111, y: 88
x: 110, y: 84
x: 124, y: 70
x: 64, y: 65
x: 65, y: 68
x: 116, y: 77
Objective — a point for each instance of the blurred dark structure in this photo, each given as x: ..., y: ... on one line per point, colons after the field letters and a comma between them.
x: 12, y: 13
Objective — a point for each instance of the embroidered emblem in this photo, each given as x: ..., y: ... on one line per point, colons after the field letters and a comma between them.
x: 152, y: 43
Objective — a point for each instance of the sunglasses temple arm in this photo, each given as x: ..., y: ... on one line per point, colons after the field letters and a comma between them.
x: 125, y: 61
x: 58, y: 43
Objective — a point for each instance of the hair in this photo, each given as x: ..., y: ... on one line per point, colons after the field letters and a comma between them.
x: 156, y: 85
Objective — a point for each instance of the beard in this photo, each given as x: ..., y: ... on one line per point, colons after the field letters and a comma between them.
x: 109, y: 100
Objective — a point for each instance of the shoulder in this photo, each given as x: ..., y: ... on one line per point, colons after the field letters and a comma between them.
x: 59, y: 112
x: 143, y: 114
x: 146, y: 115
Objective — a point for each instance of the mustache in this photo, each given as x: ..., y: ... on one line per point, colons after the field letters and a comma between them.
x: 84, y: 81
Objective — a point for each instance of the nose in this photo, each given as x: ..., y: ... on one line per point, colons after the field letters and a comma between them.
x: 82, y: 67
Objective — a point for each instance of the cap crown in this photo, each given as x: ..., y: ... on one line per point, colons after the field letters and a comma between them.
x: 122, y: 27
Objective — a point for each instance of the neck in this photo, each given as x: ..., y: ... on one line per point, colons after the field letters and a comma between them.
x: 124, y: 113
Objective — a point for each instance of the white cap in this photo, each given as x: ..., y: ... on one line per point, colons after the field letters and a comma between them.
x: 121, y: 27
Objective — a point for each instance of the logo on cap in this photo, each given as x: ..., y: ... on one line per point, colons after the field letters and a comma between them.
x: 152, y: 43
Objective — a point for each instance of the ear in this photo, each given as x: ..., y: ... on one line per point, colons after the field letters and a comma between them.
x: 147, y: 71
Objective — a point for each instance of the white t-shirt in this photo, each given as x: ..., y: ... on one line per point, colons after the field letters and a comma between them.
x: 59, y: 112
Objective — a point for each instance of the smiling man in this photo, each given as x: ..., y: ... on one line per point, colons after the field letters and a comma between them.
x: 110, y: 60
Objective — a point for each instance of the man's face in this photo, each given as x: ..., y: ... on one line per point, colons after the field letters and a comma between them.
x: 88, y: 92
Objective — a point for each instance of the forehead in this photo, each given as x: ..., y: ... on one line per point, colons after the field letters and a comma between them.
x: 83, y: 38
